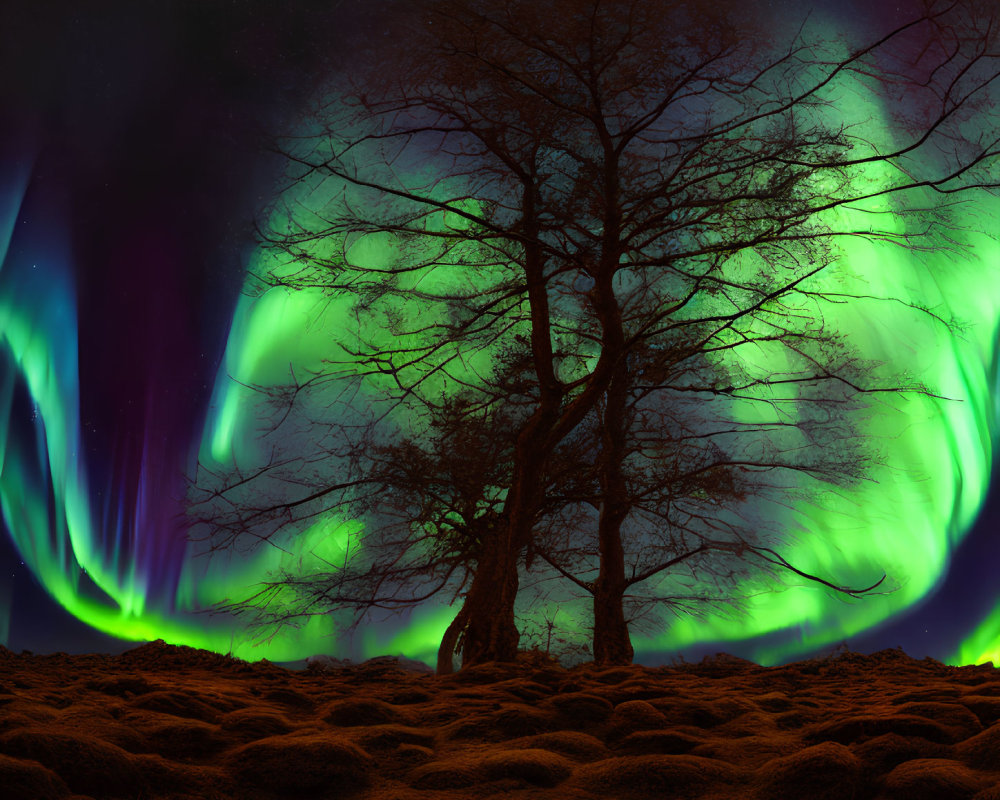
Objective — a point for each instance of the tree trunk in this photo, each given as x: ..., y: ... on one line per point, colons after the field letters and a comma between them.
x: 490, y: 631
x: 612, y: 644
x: 446, y: 652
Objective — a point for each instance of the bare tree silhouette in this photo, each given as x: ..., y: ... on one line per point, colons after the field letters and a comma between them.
x: 622, y: 188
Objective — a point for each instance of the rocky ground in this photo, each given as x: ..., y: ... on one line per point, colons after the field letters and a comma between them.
x: 173, y: 722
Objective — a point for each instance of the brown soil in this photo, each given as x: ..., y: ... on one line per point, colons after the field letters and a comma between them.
x: 173, y: 722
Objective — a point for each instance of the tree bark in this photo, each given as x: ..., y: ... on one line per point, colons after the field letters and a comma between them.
x: 612, y: 644
x: 449, y: 642
x: 490, y: 631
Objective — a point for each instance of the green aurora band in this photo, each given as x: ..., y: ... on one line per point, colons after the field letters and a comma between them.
x: 44, y: 496
x: 905, y: 521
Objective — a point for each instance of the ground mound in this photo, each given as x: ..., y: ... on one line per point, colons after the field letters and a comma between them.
x: 175, y: 722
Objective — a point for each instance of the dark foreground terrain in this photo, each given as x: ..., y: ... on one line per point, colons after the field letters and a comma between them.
x: 173, y: 722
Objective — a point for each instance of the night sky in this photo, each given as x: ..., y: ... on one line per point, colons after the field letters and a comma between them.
x: 142, y: 126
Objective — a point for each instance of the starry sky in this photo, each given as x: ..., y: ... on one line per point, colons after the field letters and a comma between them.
x: 141, y: 127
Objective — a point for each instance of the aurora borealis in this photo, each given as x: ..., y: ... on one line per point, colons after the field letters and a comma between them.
x: 125, y: 346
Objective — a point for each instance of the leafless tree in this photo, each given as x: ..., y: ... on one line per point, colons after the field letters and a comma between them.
x: 429, y: 495
x: 694, y: 488
x: 598, y: 179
